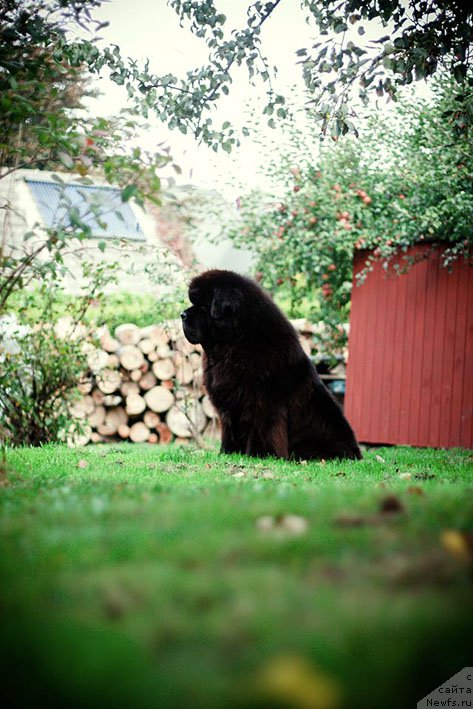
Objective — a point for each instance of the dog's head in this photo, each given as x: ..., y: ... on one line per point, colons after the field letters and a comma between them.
x: 217, y: 314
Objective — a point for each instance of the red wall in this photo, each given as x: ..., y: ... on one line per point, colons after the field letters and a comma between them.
x: 410, y: 363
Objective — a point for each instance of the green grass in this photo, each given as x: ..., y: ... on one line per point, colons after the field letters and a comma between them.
x: 143, y: 579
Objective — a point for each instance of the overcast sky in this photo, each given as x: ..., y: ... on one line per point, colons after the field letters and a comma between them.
x: 150, y: 29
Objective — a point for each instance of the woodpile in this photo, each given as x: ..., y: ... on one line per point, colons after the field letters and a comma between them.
x: 146, y: 385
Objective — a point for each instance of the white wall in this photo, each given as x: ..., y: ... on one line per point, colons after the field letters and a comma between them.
x: 19, y: 214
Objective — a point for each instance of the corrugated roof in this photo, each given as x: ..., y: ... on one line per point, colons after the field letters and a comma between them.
x: 101, y: 208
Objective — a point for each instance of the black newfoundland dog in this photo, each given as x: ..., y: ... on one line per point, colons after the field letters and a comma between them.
x: 266, y: 390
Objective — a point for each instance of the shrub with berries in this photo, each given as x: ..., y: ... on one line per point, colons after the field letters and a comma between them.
x: 407, y: 178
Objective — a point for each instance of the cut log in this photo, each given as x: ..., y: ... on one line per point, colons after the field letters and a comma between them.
x: 135, y: 404
x: 108, y: 381
x: 185, y: 393
x: 131, y: 357
x: 164, y: 369
x: 152, y: 356
x: 195, y: 360
x: 173, y: 329
x: 165, y: 435
x: 147, y: 381
x: 97, y: 417
x: 194, y: 411
x: 135, y: 375
x: 178, y: 358
x: 186, y: 422
x: 80, y: 438
x: 116, y: 417
x: 85, y: 386
x: 128, y: 388
x: 198, y: 379
x: 98, y: 396
x: 123, y: 430
x: 159, y: 399
x: 208, y: 408
x: 164, y: 351
x: 106, y: 429
x: 113, y: 361
x: 147, y: 345
x: 168, y: 385
x: 212, y: 430
x: 128, y: 334
x: 107, y: 342
x: 139, y: 432
x: 112, y: 400
x: 82, y: 408
x: 183, y: 345
x: 156, y: 334
x: 96, y: 437
x: 97, y: 360
x: 184, y: 372
x: 151, y: 419
x: 153, y: 438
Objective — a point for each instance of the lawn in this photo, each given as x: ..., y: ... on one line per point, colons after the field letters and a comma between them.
x: 140, y: 576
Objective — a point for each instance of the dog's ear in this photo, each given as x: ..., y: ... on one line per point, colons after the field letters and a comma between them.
x: 195, y: 295
x: 226, y: 303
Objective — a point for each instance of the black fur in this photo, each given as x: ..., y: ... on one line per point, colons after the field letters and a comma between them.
x: 266, y: 390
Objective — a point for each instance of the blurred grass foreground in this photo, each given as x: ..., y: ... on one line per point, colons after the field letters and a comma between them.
x: 137, y: 576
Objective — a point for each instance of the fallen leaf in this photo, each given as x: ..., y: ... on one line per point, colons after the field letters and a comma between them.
x: 415, y: 490
x: 405, y: 476
x: 391, y: 505
x: 265, y: 523
x: 458, y: 544
x: 283, y: 525
x: 294, y: 524
x: 82, y: 464
x: 379, y: 459
x: 238, y: 475
x: 294, y: 682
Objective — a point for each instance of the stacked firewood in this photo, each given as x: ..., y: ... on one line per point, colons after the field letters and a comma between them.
x: 144, y: 385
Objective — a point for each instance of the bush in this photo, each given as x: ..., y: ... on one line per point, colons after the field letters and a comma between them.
x: 407, y: 178
x: 140, y: 309
x: 41, y: 364
x: 117, y: 308
x: 38, y: 383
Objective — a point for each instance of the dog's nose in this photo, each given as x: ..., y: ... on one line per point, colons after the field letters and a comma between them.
x: 184, y: 315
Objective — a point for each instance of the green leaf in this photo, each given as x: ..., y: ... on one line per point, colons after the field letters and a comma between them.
x: 129, y: 192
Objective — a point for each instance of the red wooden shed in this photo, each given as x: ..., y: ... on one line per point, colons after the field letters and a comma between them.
x: 410, y: 361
